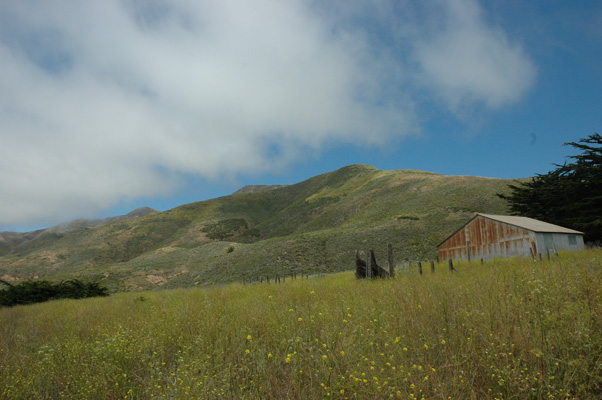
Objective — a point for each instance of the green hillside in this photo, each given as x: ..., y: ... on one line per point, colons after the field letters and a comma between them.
x: 313, y: 226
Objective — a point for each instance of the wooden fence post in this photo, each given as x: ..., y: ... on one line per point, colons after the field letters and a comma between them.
x: 432, y: 266
x: 358, y: 266
x: 420, y: 267
x: 391, y: 263
x: 368, y: 264
x: 451, y: 265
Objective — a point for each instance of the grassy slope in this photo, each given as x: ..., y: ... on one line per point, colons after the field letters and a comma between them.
x: 312, y: 226
x: 507, y: 329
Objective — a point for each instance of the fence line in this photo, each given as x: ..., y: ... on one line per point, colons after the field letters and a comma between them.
x: 278, y: 278
x: 369, y: 269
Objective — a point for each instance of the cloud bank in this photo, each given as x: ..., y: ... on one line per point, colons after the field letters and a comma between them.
x: 113, y: 100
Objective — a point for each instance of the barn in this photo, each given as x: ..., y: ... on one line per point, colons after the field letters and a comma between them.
x: 496, y: 236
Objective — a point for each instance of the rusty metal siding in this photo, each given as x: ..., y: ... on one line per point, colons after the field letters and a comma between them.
x: 486, y: 238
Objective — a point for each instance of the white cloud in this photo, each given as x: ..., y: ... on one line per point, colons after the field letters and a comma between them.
x: 106, y: 100
x: 465, y: 61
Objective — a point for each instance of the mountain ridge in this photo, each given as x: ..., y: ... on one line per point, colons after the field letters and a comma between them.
x: 311, y: 226
x: 257, y: 188
x: 19, y: 238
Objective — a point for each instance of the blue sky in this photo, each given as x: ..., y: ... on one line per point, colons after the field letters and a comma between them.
x: 109, y: 106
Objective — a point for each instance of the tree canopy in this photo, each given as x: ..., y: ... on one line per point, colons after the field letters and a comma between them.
x: 34, y: 291
x: 570, y: 195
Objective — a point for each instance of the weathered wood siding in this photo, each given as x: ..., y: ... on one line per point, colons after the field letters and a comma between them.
x: 486, y: 238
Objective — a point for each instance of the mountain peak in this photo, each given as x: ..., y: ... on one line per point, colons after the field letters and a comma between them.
x: 257, y: 188
x: 141, y: 212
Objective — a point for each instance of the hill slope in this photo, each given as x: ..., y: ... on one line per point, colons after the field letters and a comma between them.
x: 22, y: 242
x: 312, y: 226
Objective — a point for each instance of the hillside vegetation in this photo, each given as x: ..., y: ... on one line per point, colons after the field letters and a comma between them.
x: 508, y: 329
x: 313, y: 226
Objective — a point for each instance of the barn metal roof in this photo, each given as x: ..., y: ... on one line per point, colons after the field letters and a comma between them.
x: 531, y: 224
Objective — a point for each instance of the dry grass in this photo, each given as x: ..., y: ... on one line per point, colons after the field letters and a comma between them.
x: 509, y: 329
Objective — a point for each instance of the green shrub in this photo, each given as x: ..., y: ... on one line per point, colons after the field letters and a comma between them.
x: 225, y: 229
x: 39, y: 291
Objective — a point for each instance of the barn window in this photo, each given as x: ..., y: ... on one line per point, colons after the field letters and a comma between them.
x: 572, y: 240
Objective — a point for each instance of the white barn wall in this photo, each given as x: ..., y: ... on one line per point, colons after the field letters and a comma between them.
x: 560, y: 241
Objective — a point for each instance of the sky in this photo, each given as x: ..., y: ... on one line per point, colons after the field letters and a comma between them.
x: 106, y: 106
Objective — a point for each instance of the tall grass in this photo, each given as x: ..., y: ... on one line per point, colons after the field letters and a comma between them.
x: 508, y: 329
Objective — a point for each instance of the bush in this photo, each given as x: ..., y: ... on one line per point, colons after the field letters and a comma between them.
x: 225, y: 229
x: 39, y: 291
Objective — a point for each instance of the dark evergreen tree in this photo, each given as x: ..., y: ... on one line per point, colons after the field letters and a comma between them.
x: 570, y: 196
x: 29, y: 292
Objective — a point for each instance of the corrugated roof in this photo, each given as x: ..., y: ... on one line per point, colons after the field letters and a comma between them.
x: 531, y: 224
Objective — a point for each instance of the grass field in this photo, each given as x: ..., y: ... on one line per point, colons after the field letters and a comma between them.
x: 508, y: 329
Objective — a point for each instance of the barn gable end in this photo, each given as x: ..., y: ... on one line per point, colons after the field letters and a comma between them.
x: 497, y: 236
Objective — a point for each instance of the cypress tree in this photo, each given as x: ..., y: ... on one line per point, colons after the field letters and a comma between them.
x: 570, y: 195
